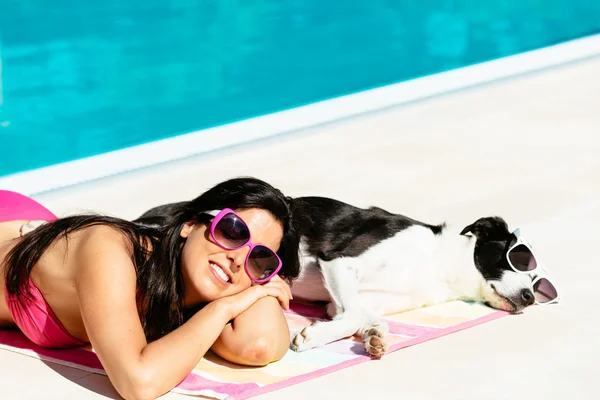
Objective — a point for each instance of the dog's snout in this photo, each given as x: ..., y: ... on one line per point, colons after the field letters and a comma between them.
x: 527, y: 297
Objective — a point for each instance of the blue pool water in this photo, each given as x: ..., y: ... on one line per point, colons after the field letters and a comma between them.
x: 79, y: 78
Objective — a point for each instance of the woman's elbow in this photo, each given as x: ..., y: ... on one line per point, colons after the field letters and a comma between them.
x: 262, y: 351
x: 140, y: 387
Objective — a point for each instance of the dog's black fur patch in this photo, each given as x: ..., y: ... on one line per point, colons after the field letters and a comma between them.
x: 335, y: 229
x: 493, y: 242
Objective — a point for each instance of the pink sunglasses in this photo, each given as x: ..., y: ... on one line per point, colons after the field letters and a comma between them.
x: 230, y: 232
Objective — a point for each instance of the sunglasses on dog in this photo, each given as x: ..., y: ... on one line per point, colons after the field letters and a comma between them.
x: 522, y: 260
x: 229, y: 231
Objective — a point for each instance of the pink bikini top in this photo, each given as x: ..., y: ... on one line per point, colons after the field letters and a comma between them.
x: 15, y: 206
x: 37, y: 321
x: 32, y: 314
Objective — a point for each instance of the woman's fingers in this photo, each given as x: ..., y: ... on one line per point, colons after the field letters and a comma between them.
x: 283, y: 286
x: 276, y: 280
x: 279, y: 293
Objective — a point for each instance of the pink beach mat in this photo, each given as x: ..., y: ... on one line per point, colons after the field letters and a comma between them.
x: 219, y: 379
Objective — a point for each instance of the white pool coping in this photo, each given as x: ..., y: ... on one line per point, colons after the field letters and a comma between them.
x: 203, y: 141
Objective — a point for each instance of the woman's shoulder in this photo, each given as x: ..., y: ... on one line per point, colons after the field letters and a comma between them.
x: 103, y: 238
x: 104, y: 252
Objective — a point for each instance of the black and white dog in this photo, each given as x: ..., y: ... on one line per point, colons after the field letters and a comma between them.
x: 368, y: 263
x: 376, y: 263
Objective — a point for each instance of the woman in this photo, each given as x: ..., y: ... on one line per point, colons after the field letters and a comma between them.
x: 153, y: 301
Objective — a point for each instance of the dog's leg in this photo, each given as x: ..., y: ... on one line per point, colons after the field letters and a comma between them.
x: 342, y: 282
x: 321, y: 333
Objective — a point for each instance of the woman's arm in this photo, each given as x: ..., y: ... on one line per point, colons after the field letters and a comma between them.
x: 257, y: 337
x: 106, y: 284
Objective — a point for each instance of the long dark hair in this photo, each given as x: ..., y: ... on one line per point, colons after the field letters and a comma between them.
x: 159, y: 278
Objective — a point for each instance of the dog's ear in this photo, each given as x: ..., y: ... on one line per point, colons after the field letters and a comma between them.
x: 489, y: 228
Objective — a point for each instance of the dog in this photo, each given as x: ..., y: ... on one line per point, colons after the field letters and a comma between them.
x: 367, y: 263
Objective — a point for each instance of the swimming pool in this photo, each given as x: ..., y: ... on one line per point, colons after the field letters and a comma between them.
x: 84, y: 78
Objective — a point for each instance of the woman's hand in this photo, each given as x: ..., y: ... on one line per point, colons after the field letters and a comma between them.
x: 240, y: 302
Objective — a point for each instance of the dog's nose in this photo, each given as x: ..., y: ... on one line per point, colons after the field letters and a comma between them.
x: 527, y: 297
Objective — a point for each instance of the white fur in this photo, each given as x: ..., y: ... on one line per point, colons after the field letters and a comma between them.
x: 508, y: 286
x: 341, y: 279
x: 412, y: 269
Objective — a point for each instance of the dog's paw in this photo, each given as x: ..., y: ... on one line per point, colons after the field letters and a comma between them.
x: 375, y: 339
x: 307, y: 338
x: 31, y: 226
x: 302, y: 341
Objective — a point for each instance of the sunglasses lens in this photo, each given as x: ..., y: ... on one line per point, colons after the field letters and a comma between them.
x: 544, y: 291
x: 231, y: 232
x: 522, y: 258
x: 262, y: 263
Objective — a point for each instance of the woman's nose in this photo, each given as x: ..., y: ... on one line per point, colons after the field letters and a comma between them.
x: 237, y: 258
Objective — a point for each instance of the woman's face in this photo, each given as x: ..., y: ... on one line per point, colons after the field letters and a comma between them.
x: 205, y: 264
